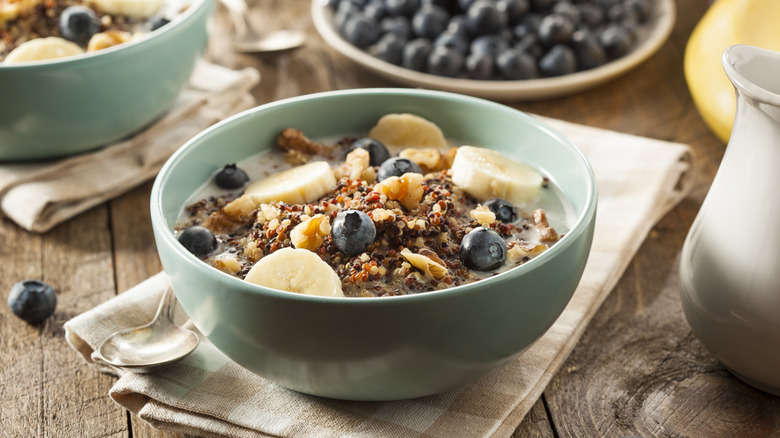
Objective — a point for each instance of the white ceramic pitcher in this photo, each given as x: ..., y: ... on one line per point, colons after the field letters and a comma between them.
x: 730, y: 265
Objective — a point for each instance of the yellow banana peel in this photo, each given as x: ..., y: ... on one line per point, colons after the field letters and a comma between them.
x: 726, y: 23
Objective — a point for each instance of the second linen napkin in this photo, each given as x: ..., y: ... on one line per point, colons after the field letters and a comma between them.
x: 638, y: 180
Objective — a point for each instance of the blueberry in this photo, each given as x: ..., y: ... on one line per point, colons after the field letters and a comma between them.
x: 344, y: 12
x: 430, y: 21
x: 454, y: 41
x: 559, y: 61
x: 555, y: 29
x: 530, y: 45
x: 490, y: 44
x: 198, y: 240
x: 402, y: 7
x: 360, y: 30
x: 389, y: 48
x: 457, y: 26
x: 616, y: 41
x: 503, y: 209
x: 515, y: 64
x: 397, y: 166
x: 32, y: 300
x: 415, y: 54
x: 231, y: 177
x: 396, y: 25
x: 591, y: 15
x: 444, y: 61
x: 642, y: 8
x: 542, y: 5
x: 480, y: 66
x: 352, y: 232
x: 484, y: 17
x: 377, y: 152
x: 375, y: 9
x: 569, y: 11
x: 482, y: 249
x: 513, y: 9
x: 589, y: 52
x: 157, y: 22
x: 78, y: 24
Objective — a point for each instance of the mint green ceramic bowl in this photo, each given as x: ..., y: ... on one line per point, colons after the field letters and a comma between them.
x: 69, y: 105
x: 376, y: 348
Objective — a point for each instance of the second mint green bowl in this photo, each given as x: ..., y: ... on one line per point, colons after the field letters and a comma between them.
x: 65, y: 106
x: 384, y: 348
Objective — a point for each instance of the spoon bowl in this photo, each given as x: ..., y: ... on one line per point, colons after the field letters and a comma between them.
x: 158, y: 343
x: 248, y: 41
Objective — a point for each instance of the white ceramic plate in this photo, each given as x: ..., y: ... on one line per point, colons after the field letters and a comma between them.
x: 651, y: 36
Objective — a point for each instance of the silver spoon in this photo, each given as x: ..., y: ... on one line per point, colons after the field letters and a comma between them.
x: 248, y: 41
x: 160, y: 342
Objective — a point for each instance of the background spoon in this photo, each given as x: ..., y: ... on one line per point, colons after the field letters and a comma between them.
x: 160, y: 342
x: 248, y: 41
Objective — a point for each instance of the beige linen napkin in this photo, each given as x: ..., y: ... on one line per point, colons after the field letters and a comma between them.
x: 38, y: 196
x: 638, y: 179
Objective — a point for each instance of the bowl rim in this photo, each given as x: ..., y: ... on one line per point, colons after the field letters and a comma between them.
x: 195, y: 7
x: 163, y: 230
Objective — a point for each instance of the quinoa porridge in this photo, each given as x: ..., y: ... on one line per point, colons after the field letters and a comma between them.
x: 399, y: 211
x: 34, y: 30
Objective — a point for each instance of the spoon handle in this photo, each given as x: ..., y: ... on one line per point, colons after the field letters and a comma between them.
x: 167, y: 305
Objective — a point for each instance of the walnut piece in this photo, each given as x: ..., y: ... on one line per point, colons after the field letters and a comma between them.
x: 430, y: 268
x: 291, y: 139
x: 310, y: 233
x: 546, y: 232
x: 483, y: 215
x: 356, y: 166
x: 517, y: 251
x: 406, y: 189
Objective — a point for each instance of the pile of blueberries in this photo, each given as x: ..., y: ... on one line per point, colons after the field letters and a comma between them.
x: 493, y: 39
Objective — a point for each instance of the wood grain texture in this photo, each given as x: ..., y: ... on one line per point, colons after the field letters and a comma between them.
x: 637, y: 371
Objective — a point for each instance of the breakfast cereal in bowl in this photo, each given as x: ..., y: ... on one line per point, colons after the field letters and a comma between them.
x: 36, y: 30
x: 397, y: 210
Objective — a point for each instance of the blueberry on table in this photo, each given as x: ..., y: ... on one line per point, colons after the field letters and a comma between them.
x: 397, y: 166
x: 198, y: 240
x: 352, y: 232
x: 231, y: 177
x: 482, y: 249
x: 503, y: 209
x: 377, y: 151
x: 78, y: 24
x: 32, y: 300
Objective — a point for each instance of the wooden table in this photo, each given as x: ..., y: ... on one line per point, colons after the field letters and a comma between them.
x: 637, y: 371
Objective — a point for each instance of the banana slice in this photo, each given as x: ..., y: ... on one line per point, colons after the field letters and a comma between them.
x: 130, y: 8
x: 486, y: 174
x: 299, y: 185
x: 13, y: 9
x: 407, y: 131
x: 41, y: 49
x: 296, y: 270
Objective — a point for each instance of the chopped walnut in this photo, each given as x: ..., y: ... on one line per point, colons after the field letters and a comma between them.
x: 310, y: 233
x: 109, y: 38
x: 291, y: 139
x: 354, y: 166
x: 517, y: 251
x: 427, y: 158
x: 546, y: 232
x: 228, y: 264
x: 430, y: 268
x: 235, y: 213
x: 407, y: 189
x: 483, y: 215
